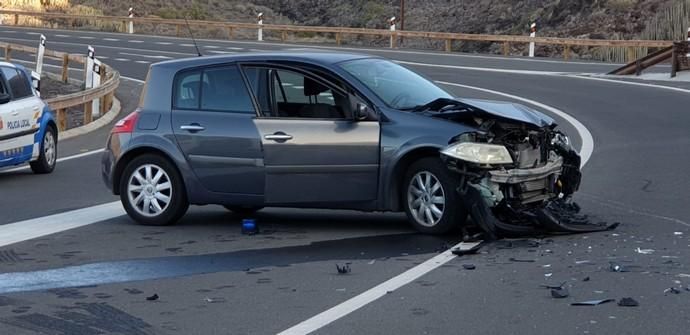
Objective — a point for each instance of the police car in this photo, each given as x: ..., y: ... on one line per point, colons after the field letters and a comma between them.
x: 28, y: 132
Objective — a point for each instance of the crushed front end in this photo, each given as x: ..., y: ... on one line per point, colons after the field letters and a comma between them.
x: 518, y: 178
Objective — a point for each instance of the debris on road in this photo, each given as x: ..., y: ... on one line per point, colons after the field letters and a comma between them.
x: 249, y: 227
x: 467, y: 248
x: 628, y: 302
x: 592, y: 302
x: 548, y: 275
x: 154, y: 297
x: 556, y: 287
x: 469, y: 266
x: 560, y: 293
x: 215, y: 300
x: 644, y: 251
x: 616, y: 267
x: 516, y: 260
x: 586, y: 278
x: 345, y: 269
x: 678, y: 233
x: 672, y: 290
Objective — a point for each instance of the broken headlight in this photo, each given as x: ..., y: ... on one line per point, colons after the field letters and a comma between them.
x: 479, y: 153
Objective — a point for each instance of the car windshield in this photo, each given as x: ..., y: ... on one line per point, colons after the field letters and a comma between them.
x: 397, y: 86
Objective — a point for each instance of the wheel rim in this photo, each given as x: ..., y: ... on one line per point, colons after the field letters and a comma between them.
x: 426, y: 199
x: 149, y: 190
x: 49, y: 148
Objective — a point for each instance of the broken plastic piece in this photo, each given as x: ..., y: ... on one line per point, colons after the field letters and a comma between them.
x: 644, y: 251
x: 215, y: 300
x: 152, y: 298
x: 616, y: 267
x: 628, y: 302
x: 521, y: 260
x: 467, y: 248
x: 469, y: 266
x: 672, y: 290
x: 592, y: 302
x: 586, y: 278
x: 345, y: 269
x: 556, y: 287
x: 560, y: 293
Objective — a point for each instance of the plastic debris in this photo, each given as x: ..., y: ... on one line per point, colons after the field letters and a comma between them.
x: 644, y: 251
x: 684, y: 275
x: 249, y: 227
x: 560, y: 293
x: 617, y: 267
x: 555, y: 287
x: 516, y: 260
x: 345, y: 269
x: 215, y: 300
x: 628, y: 302
x: 592, y: 302
x: 586, y: 278
x: 152, y: 298
x: 672, y: 290
x: 469, y: 266
x: 467, y: 248
x: 548, y: 275
x: 678, y: 233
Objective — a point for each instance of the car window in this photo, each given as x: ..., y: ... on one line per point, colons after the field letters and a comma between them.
x: 214, y: 89
x: 286, y: 94
x: 19, y: 84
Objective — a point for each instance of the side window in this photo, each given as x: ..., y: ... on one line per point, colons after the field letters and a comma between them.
x: 288, y: 94
x: 213, y: 89
x: 19, y: 84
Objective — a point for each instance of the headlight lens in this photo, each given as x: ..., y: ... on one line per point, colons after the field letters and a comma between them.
x: 480, y: 153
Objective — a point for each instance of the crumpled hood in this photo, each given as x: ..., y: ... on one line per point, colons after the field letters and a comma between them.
x: 510, y: 110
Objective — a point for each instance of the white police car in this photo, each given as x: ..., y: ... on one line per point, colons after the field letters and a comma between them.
x: 28, y: 132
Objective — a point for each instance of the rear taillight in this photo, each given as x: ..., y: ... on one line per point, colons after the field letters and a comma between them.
x: 127, y: 124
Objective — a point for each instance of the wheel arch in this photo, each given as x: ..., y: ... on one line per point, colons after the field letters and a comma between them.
x: 401, y: 165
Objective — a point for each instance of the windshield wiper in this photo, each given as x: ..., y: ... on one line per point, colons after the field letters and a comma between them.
x: 440, y: 105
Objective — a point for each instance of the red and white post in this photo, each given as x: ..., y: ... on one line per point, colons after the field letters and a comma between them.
x: 688, y: 55
x: 533, y: 33
x: 260, y: 18
x: 130, y: 26
x: 391, y: 22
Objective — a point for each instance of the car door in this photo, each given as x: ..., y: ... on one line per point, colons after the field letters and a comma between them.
x: 212, y: 119
x: 18, y: 117
x: 314, y: 151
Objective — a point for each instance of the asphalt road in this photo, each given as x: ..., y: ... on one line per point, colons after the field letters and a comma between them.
x: 210, y: 279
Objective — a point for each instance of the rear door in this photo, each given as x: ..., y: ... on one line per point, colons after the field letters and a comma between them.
x: 314, y: 152
x: 19, y: 117
x: 212, y: 120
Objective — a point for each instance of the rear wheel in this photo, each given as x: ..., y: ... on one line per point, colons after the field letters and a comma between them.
x: 243, y: 210
x: 48, y: 153
x: 152, y: 191
x: 430, y: 198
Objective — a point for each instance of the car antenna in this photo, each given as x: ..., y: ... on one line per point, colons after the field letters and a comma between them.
x: 191, y: 34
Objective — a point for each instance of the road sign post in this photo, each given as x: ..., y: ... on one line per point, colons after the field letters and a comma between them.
x: 533, y: 33
x: 131, y: 23
x: 39, y: 54
x: 260, y: 17
x: 392, y: 28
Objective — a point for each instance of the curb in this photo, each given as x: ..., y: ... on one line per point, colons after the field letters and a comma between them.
x: 102, y: 121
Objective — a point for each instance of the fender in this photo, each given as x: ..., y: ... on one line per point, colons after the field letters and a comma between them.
x: 44, y: 121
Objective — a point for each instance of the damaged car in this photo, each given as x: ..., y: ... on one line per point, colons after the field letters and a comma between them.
x: 337, y: 131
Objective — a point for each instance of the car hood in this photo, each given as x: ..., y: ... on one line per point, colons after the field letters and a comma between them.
x: 511, y: 111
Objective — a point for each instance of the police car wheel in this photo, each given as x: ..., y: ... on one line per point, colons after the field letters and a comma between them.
x: 48, y: 153
x: 152, y: 191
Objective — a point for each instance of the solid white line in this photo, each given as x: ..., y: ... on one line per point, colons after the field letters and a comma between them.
x: 145, y: 56
x: 583, y: 132
x: 664, y: 87
x: 325, y: 318
x: 34, y: 228
x: 484, y: 69
x: 63, y: 159
x: 102, y: 46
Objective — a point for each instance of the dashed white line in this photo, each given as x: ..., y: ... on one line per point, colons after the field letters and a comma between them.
x: 111, y: 39
x: 234, y: 48
x: 164, y: 43
x: 122, y: 59
x: 135, y: 41
x: 87, y: 38
x: 63, y: 36
x: 186, y: 45
x: 211, y: 47
x: 221, y: 52
x: 143, y: 62
x: 32, y: 33
x: 146, y: 56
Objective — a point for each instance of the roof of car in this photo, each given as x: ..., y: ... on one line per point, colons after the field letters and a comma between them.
x: 318, y: 57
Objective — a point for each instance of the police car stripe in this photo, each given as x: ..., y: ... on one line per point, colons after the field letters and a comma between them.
x: 19, y: 134
x: 17, y: 142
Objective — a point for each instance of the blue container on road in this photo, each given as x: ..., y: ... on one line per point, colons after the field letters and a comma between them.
x: 249, y: 227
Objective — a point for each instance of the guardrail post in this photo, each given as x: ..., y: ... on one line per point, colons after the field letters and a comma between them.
x: 39, y: 54
x: 65, y: 68
x: 688, y: 55
x: 674, y: 61
x: 8, y: 53
x: 506, y: 48
x: 393, y: 34
x: 566, y: 52
x: 61, y: 119
x: 131, y: 23
x: 338, y: 39
x: 533, y: 33
x: 631, y: 54
x: 177, y: 30
x: 260, y: 32
x: 104, y: 99
x: 231, y: 33
x: 16, y: 19
x: 283, y: 36
x: 449, y: 45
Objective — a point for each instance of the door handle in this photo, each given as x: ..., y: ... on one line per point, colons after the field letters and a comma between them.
x: 193, y: 127
x: 278, y: 137
x: 15, y: 113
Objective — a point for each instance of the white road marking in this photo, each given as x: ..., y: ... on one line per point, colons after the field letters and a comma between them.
x: 111, y: 39
x: 103, y: 46
x: 143, y: 62
x: 164, y: 43
x: 484, y: 69
x: 8, y: 31
x: 233, y: 48
x: 186, y: 45
x: 32, y: 33
x: 221, y: 52
x: 135, y: 41
x: 34, y: 228
x: 583, y: 132
x: 323, y: 319
x: 63, y: 36
x: 211, y: 47
x: 664, y: 87
x: 122, y: 59
x: 63, y: 159
x: 260, y: 50
x: 146, y: 56
x: 87, y: 37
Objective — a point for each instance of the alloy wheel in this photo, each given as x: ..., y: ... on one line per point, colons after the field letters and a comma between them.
x: 426, y: 199
x: 149, y: 190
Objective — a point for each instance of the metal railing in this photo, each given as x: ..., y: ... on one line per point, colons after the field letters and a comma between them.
x: 61, y: 104
x: 567, y: 43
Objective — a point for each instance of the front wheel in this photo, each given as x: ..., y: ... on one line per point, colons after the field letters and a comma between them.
x: 48, y: 153
x: 152, y: 191
x: 430, y: 198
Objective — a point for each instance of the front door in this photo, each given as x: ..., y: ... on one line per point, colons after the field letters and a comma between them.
x: 212, y: 119
x: 314, y: 152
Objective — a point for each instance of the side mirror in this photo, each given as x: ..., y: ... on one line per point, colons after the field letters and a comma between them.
x: 4, y: 98
x: 362, y: 112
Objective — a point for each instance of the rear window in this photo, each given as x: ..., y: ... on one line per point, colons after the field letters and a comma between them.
x: 19, y: 84
x: 213, y: 89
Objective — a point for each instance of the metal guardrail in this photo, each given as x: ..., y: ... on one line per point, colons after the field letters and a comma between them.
x: 449, y: 38
x: 60, y: 104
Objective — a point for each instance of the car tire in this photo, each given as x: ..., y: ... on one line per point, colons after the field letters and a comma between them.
x: 430, y: 197
x: 152, y: 191
x: 243, y: 210
x: 48, y: 153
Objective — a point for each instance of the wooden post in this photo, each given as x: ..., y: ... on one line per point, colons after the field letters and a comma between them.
x: 566, y: 52
x: 61, y: 119
x: 88, y: 113
x: 394, y: 40
x: 104, y: 102
x: 338, y: 39
x: 16, y: 19
x: 674, y: 61
x: 449, y: 45
x: 631, y: 54
x: 231, y: 33
x: 506, y: 48
x: 65, y: 68
x: 8, y: 53
x: 177, y: 30
x: 283, y: 36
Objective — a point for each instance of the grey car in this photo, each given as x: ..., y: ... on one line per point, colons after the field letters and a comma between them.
x: 330, y: 131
